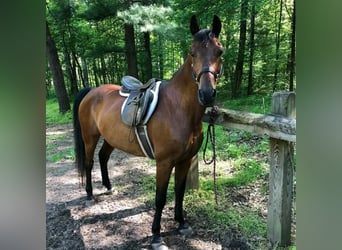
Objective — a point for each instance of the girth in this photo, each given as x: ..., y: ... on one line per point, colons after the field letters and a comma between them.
x: 137, y: 109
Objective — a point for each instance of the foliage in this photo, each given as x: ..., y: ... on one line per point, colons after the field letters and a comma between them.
x: 257, y: 103
x: 53, y: 116
x: 91, y: 40
x: 149, y: 18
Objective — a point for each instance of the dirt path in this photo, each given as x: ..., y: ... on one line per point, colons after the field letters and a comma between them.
x: 120, y: 220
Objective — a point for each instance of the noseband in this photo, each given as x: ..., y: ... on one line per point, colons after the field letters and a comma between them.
x: 206, y: 69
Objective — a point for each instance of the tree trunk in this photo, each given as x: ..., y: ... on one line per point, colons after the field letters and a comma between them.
x: 75, y: 62
x: 131, y: 53
x: 236, y: 91
x: 70, y: 70
x: 275, y: 78
x: 228, y: 62
x: 103, y: 69
x: 57, y: 74
x: 85, y: 72
x: 96, y: 73
x: 293, y: 46
x: 161, y: 57
x: 251, y: 52
x: 148, y: 57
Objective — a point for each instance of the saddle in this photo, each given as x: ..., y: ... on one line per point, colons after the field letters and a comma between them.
x: 137, y: 109
x: 141, y: 100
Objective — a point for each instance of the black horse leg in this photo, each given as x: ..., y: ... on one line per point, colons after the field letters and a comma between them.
x: 90, y: 145
x: 163, y: 177
x: 181, y: 171
x: 104, y: 155
x: 89, y: 188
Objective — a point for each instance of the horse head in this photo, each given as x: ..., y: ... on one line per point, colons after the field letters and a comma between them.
x: 206, y: 53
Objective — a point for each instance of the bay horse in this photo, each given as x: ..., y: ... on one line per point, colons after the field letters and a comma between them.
x: 175, y: 128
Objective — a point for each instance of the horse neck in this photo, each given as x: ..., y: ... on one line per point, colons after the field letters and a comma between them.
x: 187, y: 88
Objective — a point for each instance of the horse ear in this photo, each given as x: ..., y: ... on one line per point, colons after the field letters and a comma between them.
x: 216, y: 26
x: 194, y: 25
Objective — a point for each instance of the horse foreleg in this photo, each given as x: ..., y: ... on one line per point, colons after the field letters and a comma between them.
x: 181, y: 171
x: 104, y: 155
x: 162, y: 182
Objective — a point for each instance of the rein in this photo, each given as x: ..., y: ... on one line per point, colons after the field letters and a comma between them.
x: 211, y: 135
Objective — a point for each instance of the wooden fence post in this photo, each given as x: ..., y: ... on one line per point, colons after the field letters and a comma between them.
x: 281, y: 176
x: 192, y: 181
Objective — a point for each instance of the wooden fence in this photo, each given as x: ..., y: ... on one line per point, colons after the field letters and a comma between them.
x: 280, y: 126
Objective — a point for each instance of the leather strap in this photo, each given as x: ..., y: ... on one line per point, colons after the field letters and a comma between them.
x: 144, y: 141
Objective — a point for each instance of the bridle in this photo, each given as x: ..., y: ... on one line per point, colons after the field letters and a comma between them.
x: 206, y: 69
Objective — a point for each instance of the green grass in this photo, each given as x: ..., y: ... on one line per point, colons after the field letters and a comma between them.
x: 222, y: 218
x: 56, y: 152
x: 53, y: 116
x: 260, y: 104
x: 61, y: 155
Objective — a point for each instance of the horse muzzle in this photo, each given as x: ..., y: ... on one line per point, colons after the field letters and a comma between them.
x: 206, y: 79
x: 207, y: 97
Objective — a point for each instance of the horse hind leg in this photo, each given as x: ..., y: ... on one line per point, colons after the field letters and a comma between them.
x: 89, y: 145
x: 104, y: 155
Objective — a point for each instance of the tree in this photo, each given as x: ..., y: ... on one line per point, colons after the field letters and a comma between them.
x: 293, y: 47
x: 147, y: 57
x: 100, y: 41
x: 251, y: 51
x: 236, y: 90
x: 57, y: 74
x: 275, y: 78
x: 131, y: 53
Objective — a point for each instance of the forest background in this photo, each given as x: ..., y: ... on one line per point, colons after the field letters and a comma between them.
x: 92, y: 42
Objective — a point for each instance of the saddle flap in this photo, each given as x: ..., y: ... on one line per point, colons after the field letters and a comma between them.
x: 129, y: 110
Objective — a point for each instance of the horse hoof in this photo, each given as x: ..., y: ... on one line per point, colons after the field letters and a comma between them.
x: 185, y: 229
x: 89, y: 203
x: 159, y: 246
x: 109, y: 191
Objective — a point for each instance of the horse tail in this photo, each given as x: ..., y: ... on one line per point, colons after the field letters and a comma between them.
x: 78, y: 140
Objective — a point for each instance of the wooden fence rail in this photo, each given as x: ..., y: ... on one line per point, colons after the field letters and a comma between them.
x: 280, y: 126
x: 275, y: 126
